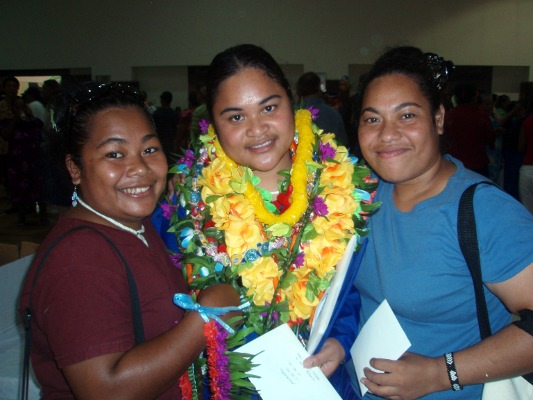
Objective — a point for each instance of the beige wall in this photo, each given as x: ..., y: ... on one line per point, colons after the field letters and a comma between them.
x: 114, y: 37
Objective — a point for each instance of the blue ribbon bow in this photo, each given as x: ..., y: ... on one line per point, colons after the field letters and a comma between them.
x: 186, y: 302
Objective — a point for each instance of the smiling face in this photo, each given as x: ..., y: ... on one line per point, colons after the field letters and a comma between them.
x: 254, y: 121
x: 123, y: 168
x: 398, y: 132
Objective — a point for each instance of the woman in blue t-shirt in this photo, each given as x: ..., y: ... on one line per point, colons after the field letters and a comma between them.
x: 413, y: 259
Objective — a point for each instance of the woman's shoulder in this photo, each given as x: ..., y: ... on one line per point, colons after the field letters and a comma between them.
x: 490, y: 200
x: 78, y: 237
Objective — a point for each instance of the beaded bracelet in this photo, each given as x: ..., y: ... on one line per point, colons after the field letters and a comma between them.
x: 452, y: 372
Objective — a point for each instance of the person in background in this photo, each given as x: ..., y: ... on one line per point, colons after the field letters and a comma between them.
x: 49, y: 91
x: 494, y: 153
x: 10, y: 88
x: 505, y: 109
x: 512, y: 155
x: 166, y: 121
x: 198, y: 114
x: 33, y: 98
x: 310, y: 95
x: 525, y: 146
x: 469, y: 131
x: 23, y: 134
x: 343, y: 98
x: 57, y: 186
x: 82, y: 322
x: 413, y: 259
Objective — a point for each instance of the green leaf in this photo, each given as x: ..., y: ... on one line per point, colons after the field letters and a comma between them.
x: 271, y: 207
x: 253, y: 178
x: 309, y: 233
x: 313, y: 166
x: 212, y: 198
x: 280, y: 229
x: 265, y: 194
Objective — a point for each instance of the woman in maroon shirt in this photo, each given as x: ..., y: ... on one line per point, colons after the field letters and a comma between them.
x: 83, y: 336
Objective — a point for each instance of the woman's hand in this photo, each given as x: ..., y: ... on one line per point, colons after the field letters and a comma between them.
x: 171, y: 185
x: 222, y: 295
x: 411, y: 377
x: 328, y: 358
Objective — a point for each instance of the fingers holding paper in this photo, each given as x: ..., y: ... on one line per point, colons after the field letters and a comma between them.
x: 330, y: 356
x: 410, y: 377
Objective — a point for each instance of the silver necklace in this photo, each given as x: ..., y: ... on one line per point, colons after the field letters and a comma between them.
x: 138, y: 233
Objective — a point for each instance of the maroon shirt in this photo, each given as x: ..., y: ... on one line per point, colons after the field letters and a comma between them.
x: 81, y: 301
x: 468, y: 130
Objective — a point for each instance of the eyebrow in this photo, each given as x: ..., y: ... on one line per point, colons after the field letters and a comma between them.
x: 123, y: 141
x: 397, y: 108
x: 265, y: 100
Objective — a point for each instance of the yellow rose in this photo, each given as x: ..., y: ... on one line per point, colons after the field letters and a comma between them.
x: 261, y: 279
x: 215, y: 179
x: 235, y: 216
x: 323, y: 255
x: 334, y: 229
x: 337, y: 176
x: 300, y: 306
x: 241, y: 236
x: 244, y: 230
x: 240, y: 209
x: 220, y: 213
x: 339, y: 204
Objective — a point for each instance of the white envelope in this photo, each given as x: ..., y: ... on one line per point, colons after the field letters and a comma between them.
x: 381, y: 337
x: 280, y: 356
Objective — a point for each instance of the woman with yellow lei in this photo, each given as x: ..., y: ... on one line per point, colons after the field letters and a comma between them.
x: 265, y: 200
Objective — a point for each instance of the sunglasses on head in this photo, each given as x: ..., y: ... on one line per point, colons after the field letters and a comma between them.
x: 93, y: 91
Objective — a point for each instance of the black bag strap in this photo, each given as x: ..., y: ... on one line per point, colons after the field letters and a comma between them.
x: 138, y: 328
x: 467, y: 233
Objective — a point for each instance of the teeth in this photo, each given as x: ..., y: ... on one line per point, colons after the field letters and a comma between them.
x: 136, y: 190
x: 261, y: 145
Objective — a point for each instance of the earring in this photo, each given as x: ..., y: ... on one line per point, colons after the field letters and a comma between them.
x: 74, y: 197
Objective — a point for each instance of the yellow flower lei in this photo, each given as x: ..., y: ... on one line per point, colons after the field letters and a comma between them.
x: 282, y: 263
x: 246, y: 223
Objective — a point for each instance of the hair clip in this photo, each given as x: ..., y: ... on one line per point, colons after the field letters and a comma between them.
x: 441, y: 69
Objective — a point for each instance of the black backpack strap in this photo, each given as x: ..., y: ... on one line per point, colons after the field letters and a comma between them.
x: 467, y: 234
x: 138, y: 328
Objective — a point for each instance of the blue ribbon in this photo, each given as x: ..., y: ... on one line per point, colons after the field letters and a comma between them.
x: 186, y: 302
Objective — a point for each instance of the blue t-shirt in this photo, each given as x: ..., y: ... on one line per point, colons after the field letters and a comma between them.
x: 414, y: 261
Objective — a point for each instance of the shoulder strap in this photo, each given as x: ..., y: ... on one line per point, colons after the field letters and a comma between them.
x: 467, y: 234
x: 138, y: 328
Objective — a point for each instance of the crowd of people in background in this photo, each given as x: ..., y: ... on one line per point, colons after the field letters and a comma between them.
x: 23, y: 168
x: 487, y: 132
